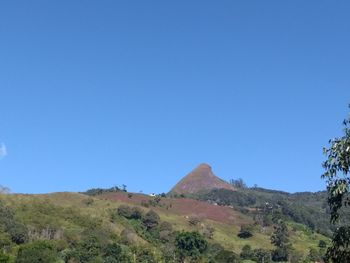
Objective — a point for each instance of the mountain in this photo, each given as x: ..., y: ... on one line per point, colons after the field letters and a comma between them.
x: 201, y: 178
x: 113, y: 225
x: 129, y: 227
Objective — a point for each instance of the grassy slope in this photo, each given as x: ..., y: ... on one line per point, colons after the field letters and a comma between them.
x: 54, y: 209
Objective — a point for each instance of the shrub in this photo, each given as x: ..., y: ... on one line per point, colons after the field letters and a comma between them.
x: 88, y: 201
x: 143, y: 255
x: 89, y: 248
x: 129, y: 212
x: 322, y: 244
x: 262, y: 255
x: 136, y: 213
x: 245, y: 232
x: 113, y: 253
x: 4, y: 258
x: 208, y: 231
x: 165, y: 226
x: 38, y: 251
x: 17, y: 231
x: 124, y: 211
x: 128, y: 236
x: 144, y: 203
x: 193, y: 220
x: 151, y: 220
x: 280, y: 254
x: 190, y: 244
x: 246, y: 252
x: 225, y: 256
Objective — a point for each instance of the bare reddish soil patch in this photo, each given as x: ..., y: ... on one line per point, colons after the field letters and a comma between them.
x: 184, y: 207
x: 204, y: 210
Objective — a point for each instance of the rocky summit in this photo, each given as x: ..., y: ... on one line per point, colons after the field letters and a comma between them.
x: 200, y: 179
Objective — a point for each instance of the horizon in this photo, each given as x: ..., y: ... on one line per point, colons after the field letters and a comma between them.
x: 120, y: 186
x: 8, y: 190
x: 95, y: 95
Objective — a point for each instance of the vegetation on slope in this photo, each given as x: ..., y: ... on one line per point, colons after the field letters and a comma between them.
x: 125, y: 227
x: 309, y: 209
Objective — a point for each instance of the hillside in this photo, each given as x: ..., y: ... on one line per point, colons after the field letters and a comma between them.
x: 201, y: 178
x: 69, y: 223
x: 229, y: 223
x: 309, y: 209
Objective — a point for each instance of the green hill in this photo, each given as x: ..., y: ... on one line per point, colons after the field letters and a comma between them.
x: 202, y: 219
x: 116, y: 226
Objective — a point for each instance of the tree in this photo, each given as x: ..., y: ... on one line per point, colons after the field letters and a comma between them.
x: 337, y: 176
x: 190, y: 244
x: 280, y: 239
x: 38, y: 251
x: 113, y: 253
x: 238, y: 183
x: 89, y: 249
x: 17, y: 231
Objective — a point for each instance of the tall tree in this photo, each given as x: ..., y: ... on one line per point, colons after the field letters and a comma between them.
x: 280, y: 239
x: 337, y: 175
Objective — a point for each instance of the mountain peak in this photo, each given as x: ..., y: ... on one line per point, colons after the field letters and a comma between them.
x: 201, y: 178
x: 204, y: 165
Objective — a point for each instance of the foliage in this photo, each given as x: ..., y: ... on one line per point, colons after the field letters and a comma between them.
x: 190, y: 245
x: 225, y: 256
x: 115, y: 253
x: 99, y: 191
x: 4, y: 258
x: 88, y: 201
x: 322, y: 244
x: 228, y: 197
x: 38, y: 251
x: 339, y: 251
x: 129, y: 212
x: 108, y: 232
x: 314, y: 255
x: 246, y: 252
x: 151, y: 219
x: 12, y: 226
x: 262, y: 255
x: 337, y: 168
x: 280, y: 239
x: 245, y: 232
x: 165, y: 232
x: 89, y: 249
x: 144, y: 255
x: 305, y: 208
x: 194, y: 220
x: 238, y: 183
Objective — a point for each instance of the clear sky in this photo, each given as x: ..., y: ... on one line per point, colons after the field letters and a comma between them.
x: 104, y: 93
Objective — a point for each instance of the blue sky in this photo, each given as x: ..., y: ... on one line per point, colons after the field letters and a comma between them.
x: 104, y: 93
